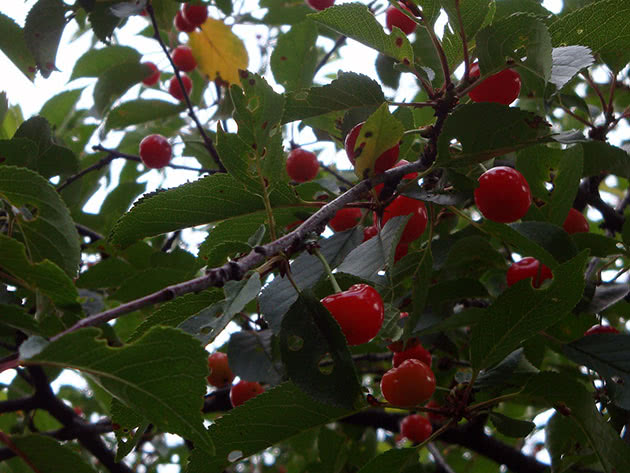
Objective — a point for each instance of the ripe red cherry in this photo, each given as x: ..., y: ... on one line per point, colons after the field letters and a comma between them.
x: 384, y: 161
x: 359, y: 312
x: 503, y: 194
x: 403, y: 205
x: 320, y: 4
x: 575, y: 222
x: 502, y: 87
x: 408, y: 385
x: 414, y: 352
x: 434, y: 417
x: 416, y: 428
x: 183, y: 58
x: 394, y: 17
x: 401, y: 250
x: 601, y: 329
x: 182, y: 24
x: 369, y: 232
x: 195, y: 14
x: 155, y: 151
x: 302, y: 165
x: 345, y: 219
x: 220, y: 373
x: 153, y: 77
x: 244, y: 391
x: 176, y: 91
x: 528, y: 268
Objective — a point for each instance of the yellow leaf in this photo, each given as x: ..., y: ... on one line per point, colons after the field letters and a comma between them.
x: 218, y: 51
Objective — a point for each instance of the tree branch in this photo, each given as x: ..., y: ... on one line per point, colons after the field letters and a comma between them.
x: 339, y: 43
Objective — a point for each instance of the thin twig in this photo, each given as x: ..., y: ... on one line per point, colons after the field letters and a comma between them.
x: 94, y: 167
x: 169, y: 243
x: 340, y: 42
x: 414, y: 104
x: 137, y: 159
x: 595, y: 87
x: 336, y: 174
x: 440, y: 51
x: 577, y: 117
x: 191, y: 111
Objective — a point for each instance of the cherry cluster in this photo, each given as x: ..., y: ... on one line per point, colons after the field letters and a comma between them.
x: 221, y: 376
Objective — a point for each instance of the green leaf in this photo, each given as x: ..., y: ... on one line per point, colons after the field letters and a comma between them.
x: 567, y: 62
x: 522, y: 311
x: 139, y: 111
x: 349, y: 91
x: 602, y: 26
x: 511, y: 427
x: 356, y: 21
x: 14, y: 316
x: 502, y: 130
x: 394, y: 460
x: 506, y: 37
x: 165, y: 11
x: 40, y: 449
x: 110, y: 272
x: 43, y: 222
x: 161, y: 375
x: 255, y: 425
x: 473, y: 14
x: 209, y: 199
x: 625, y: 232
x: 239, y: 293
x: 115, y: 81
x: 599, y: 245
x: 386, y: 72
x: 58, y: 108
x: 565, y: 184
x: 554, y: 389
x: 13, y: 45
x: 250, y: 355
x: 148, y: 281
x: 294, y: 58
x: 601, y: 157
x: 103, y: 21
x: 97, y: 61
x: 565, y: 441
x: 127, y: 419
x: 420, y: 282
x: 310, y: 337
x: 42, y: 32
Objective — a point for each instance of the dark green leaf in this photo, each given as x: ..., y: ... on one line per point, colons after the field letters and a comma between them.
x: 39, y: 449
x: 565, y: 184
x: 601, y: 157
x: 115, y: 81
x: 250, y: 355
x: 42, y: 32
x: 97, y: 61
x: 599, y: 245
x: 239, y: 293
x: 110, y: 272
x: 58, y: 108
x: 140, y: 111
x: 394, y: 460
x: 511, y: 427
x: 12, y: 44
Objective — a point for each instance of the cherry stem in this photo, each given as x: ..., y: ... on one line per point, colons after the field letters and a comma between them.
x: 333, y: 281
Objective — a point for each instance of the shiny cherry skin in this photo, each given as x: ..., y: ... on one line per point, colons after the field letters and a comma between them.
x: 220, y: 373
x: 195, y: 13
x: 359, y: 311
x: 575, y: 222
x: 383, y: 162
x: 302, y: 165
x: 244, y: 391
x: 394, y: 17
x: 183, y: 58
x: 155, y: 151
x: 528, y: 268
x: 182, y: 24
x: 503, y: 195
x: 412, y: 175
x: 370, y: 232
x: 320, y: 4
x: 416, y: 428
x: 153, y: 77
x: 416, y: 225
x: 434, y: 417
x: 414, y: 352
x: 176, y: 91
x: 601, y: 329
x: 345, y: 219
x: 502, y: 87
x: 410, y: 384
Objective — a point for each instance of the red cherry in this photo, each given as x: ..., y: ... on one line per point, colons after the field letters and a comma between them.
x: 77, y: 410
x: 195, y: 14
x: 412, y: 175
x: 415, y: 352
x: 153, y: 77
x: 434, y: 417
x: 401, y: 250
x: 403, y: 205
x: 302, y: 165
x: 528, y: 268
x: 182, y: 24
x: 503, y: 194
x: 244, y: 391
x: 394, y: 17
x: 601, y: 329
x: 359, y: 312
x: 502, y: 87
x: 345, y: 219
x: 183, y: 58
x: 155, y: 151
x: 416, y: 428
x: 369, y: 232
x: 175, y: 89
x: 220, y: 373
x: 575, y: 222
x: 408, y: 385
x: 320, y: 4
x: 384, y: 161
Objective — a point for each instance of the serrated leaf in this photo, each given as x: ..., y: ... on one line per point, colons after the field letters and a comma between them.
x: 511, y: 427
x: 239, y: 293
x: 599, y: 245
x: 161, y: 375
x: 126, y: 419
x: 565, y: 184
x: 600, y: 157
x: 310, y: 335
x: 39, y: 449
x: 250, y: 355
x: 49, y: 231
x: 522, y: 311
x: 14, y: 316
x: 139, y: 111
x: 57, y: 109
x: 255, y: 425
x: 567, y: 62
x: 380, y: 132
x: 602, y: 26
x: 97, y: 61
x: 294, y: 58
x: 472, y: 13
x: 13, y: 45
x: 502, y: 130
x: 218, y: 51
x: 115, y: 81
x: 110, y: 272
x: 43, y: 28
